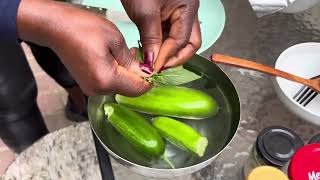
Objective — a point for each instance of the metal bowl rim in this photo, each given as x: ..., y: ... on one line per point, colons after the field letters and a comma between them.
x: 177, y: 169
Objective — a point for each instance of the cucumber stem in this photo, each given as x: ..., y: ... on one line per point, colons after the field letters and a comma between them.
x: 165, y: 159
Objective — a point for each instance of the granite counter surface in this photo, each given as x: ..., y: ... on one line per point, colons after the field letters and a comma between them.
x: 69, y: 153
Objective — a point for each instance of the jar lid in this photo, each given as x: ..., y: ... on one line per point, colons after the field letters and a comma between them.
x: 315, y: 139
x: 266, y: 173
x: 305, y: 164
x: 277, y: 144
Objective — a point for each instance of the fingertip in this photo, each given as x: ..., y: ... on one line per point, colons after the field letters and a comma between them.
x: 141, y: 88
x: 158, y: 67
x: 133, y: 51
x: 146, y: 68
x: 129, y: 83
x: 168, y: 50
x: 147, y: 86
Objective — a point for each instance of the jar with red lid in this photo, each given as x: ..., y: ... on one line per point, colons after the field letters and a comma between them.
x: 314, y: 140
x: 305, y: 163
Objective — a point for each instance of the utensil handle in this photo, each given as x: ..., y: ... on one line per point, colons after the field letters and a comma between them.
x: 218, y: 58
x: 103, y: 159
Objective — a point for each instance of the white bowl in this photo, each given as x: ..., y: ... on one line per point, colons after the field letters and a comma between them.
x: 302, y: 60
x: 300, y: 5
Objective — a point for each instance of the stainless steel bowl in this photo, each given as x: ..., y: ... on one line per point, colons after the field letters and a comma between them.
x: 219, y: 129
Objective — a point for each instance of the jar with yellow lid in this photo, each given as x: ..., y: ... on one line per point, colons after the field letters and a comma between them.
x: 266, y: 173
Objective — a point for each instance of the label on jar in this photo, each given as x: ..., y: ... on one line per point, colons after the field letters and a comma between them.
x: 313, y: 175
x: 305, y: 164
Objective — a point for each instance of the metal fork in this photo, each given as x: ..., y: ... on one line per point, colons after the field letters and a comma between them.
x: 305, y: 95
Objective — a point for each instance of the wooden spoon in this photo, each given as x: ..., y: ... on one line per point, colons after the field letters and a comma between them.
x: 312, y: 83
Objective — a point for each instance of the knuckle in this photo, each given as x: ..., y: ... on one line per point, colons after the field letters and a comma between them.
x: 148, y: 15
x: 118, y: 40
x: 182, y: 42
x: 127, y: 62
x: 100, y: 83
x: 119, y: 78
x: 150, y: 39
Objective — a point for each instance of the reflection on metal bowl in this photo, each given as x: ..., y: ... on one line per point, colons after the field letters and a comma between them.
x: 219, y: 129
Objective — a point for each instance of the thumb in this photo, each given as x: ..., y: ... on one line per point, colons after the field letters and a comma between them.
x: 128, y: 83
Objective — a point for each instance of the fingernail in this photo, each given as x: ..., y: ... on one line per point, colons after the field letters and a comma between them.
x: 146, y: 68
x: 148, y: 58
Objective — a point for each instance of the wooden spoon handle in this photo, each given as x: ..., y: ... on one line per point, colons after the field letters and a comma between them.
x: 218, y: 58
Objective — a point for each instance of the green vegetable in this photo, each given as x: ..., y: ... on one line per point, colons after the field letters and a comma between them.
x: 173, y: 77
x: 181, y: 135
x: 172, y: 101
x: 170, y: 77
x: 135, y: 129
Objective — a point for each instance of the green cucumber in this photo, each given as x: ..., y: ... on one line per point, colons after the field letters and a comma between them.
x: 135, y: 129
x: 181, y: 135
x: 172, y: 101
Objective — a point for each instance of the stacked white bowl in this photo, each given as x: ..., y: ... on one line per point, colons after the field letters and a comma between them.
x: 302, y: 60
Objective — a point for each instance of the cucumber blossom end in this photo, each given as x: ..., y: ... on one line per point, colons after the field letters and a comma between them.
x: 108, y: 110
x: 201, y: 146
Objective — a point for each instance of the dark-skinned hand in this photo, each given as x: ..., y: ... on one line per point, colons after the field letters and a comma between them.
x: 169, y: 29
x: 91, y: 47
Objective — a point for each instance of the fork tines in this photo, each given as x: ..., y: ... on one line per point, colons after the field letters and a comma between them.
x: 305, y: 95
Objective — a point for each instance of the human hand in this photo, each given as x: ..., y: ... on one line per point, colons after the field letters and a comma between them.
x: 91, y: 47
x: 169, y: 29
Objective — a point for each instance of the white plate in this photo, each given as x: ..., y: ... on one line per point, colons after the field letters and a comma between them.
x: 302, y: 60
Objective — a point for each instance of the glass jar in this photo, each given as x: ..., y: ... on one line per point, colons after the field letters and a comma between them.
x: 314, y: 140
x: 275, y: 146
x: 266, y: 173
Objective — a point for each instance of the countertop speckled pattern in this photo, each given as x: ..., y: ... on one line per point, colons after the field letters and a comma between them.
x: 69, y: 153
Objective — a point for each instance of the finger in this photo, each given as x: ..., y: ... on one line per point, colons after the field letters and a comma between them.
x: 124, y: 56
x: 150, y: 36
x: 120, y: 51
x: 129, y: 84
x: 180, y: 31
x: 134, y: 51
x: 187, y: 52
x: 145, y: 69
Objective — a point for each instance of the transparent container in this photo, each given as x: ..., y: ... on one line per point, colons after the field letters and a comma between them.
x: 267, y: 173
x: 254, y: 160
x: 274, y: 147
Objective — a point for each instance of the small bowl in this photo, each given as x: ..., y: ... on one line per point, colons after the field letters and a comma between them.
x: 302, y: 60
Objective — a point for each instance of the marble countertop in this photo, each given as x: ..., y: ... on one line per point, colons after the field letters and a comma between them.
x: 69, y: 153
